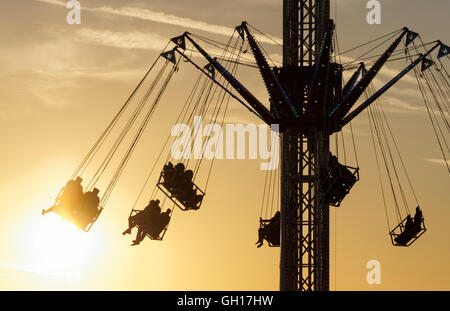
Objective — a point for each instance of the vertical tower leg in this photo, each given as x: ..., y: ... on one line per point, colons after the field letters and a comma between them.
x: 304, y: 220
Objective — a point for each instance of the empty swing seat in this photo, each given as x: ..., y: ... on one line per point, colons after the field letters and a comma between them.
x: 170, y: 186
x: 402, y: 237
x: 159, y: 237
x: 338, y: 182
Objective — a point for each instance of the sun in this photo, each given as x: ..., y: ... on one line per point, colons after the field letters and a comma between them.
x: 55, y: 247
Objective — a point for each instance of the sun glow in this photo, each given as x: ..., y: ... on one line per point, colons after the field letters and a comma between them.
x: 55, y: 247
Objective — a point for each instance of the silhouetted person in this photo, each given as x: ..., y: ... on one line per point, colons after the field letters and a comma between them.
x: 134, y: 220
x: 73, y: 189
x: 71, y: 196
x: 193, y: 203
x: 154, y: 231
x: 187, y: 177
x: 184, y: 189
x: 169, y: 173
x: 333, y: 162
x: 151, y: 211
x: 405, y: 236
x: 418, y: 216
x: 269, y: 230
x: 150, y: 222
x: 179, y: 170
x: 89, y: 208
x: 409, y: 224
x: 163, y: 221
x: 153, y: 208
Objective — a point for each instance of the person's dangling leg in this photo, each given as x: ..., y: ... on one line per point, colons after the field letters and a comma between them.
x: 140, y: 235
x: 261, y: 234
x: 47, y: 211
x: 131, y: 224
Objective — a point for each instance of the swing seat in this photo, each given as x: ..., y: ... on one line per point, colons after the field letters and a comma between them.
x: 67, y: 213
x: 338, y: 183
x: 89, y: 226
x: 402, y: 237
x: 272, y: 236
x: 192, y: 202
x: 160, y: 237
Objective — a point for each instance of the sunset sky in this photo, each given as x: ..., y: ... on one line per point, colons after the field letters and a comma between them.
x: 61, y: 85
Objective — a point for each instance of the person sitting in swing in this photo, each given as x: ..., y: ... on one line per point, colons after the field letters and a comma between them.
x: 153, y: 208
x: 179, y: 170
x: 270, y: 230
x: 173, y: 176
x: 409, y: 223
x: 89, y: 208
x: 186, y: 190
x: 151, y: 211
x: 169, y: 173
x: 405, y: 236
x: 193, y: 203
x: 418, y: 216
x: 153, y: 227
x: 333, y: 162
x: 71, y: 196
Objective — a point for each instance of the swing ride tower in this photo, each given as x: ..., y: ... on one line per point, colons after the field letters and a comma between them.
x: 304, y: 218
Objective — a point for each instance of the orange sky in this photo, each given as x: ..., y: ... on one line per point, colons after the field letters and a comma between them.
x: 60, y: 86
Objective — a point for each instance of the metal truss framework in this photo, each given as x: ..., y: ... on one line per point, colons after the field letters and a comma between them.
x: 305, y: 220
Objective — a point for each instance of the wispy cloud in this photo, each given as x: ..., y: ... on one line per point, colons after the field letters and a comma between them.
x: 441, y: 162
x: 162, y: 17
x: 148, y: 41
x: 127, y: 40
x: 54, y: 2
x: 403, y: 106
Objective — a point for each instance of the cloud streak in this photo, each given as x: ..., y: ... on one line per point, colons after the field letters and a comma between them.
x: 127, y: 40
x: 440, y: 162
x: 164, y: 18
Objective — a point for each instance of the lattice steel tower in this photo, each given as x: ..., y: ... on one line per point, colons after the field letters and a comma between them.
x: 304, y: 219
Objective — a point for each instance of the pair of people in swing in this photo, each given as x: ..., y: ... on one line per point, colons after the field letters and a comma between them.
x: 412, y: 227
x: 149, y: 221
x: 76, y: 206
